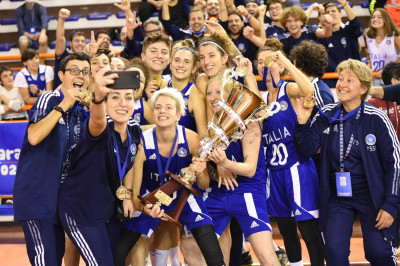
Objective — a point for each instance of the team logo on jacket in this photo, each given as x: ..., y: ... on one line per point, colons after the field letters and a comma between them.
x: 182, y: 152
x: 370, y: 139
x: 344, y: 41
x: 136, y: 117
x: 388, y: 42
x: 284, y: 105
x: 133, y: 149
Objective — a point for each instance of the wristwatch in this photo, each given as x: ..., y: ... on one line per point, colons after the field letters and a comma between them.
x: 59, y: 109
x: 94, y: 99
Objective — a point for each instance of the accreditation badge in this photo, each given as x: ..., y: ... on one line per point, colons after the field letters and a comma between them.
x: 343, y: 184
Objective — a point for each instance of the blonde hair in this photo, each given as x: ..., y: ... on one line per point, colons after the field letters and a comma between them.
x: 361, y: 70
x: 174, y: 94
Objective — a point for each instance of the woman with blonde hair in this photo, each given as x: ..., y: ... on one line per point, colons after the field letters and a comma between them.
x: 359, y: 167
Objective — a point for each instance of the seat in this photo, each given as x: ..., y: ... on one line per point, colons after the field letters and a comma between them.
x: 74, y: 17
x: 98, y: 15
x: 5, y: 47
x: 8, y: 21
x: 120, y: 14
x: 117, y: 43
x: 364, y: 4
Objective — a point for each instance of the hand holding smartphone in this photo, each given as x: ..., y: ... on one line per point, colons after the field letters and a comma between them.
x: 126, y: 80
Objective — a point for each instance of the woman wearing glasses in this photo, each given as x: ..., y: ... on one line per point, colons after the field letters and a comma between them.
x: 104, y: 154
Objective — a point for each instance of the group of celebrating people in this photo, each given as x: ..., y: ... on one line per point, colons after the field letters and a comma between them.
x: 313, y: 165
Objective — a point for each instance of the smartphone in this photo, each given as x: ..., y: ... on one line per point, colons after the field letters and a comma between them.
x: 126, y: 80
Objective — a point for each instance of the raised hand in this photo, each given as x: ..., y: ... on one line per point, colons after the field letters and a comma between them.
x: 124, y: 6
x: 248, y: 32
x: 262, y: 9
x: 63, y: 13
x: 303, y: 113
x: 101, y: 81
x: 242, y: 11
x: 92, y: 47
x: 241, y: 61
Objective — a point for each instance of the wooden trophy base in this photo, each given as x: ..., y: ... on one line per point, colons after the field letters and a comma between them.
x: 168, y: 188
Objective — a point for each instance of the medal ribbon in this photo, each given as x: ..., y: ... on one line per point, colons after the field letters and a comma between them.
x: 335, y: 116
x: 237, y: 78
x: 121, y: 169
x: 264, y: 80
x: 341, y: 138
x: 161, y: 172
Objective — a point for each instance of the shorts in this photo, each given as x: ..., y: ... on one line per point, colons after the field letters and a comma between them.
x: 294, y: 192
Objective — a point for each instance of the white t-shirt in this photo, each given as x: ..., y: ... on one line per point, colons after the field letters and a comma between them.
x: 20, y: 80
x: 12, y: 94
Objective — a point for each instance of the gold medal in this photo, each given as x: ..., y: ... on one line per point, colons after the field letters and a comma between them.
x: 86, y: 96
x: 122, y: 192
x: 268, y: 61
x: 309, y: 102
x: 159, y: 80
x: 241, y: 71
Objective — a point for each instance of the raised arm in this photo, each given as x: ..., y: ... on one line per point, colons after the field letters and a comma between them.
x: 326, y: 31
x: 251, y: 147
x: 63, y: 14
x: 347, y: 8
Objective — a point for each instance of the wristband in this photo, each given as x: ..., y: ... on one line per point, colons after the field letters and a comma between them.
x: 59, y: 109
x: 97, y: 102
x: 345, y: 4
x: 249, y: 17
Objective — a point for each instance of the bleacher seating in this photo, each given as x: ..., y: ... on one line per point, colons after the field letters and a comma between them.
x: 98, y: 15
x: 4, y: 47
x: 8, y: 21
x: 74, y: 17
x: 120, y: 14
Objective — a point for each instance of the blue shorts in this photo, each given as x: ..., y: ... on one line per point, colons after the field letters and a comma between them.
x: 294, y: 192
x: 250, y: 210
x: 194, y: 214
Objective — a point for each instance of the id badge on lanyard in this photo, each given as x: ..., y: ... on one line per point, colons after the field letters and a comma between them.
x: 343, y: 184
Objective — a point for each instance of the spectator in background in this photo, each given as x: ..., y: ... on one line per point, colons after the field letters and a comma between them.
x: 383, y: 42
x: 10, y: 98
x: 392, y: 6
x: 147, y: 8
x: 252, y: 7
x: 179, y: 11
x: 213, y: 9
x: 32, y: 26
x: 76, y: 44
x: 390, y: 75
x: 275, y: 28
x: 294, y: 19
x: 343, y: 44
x: 33, y: 79
x: 118, y: 63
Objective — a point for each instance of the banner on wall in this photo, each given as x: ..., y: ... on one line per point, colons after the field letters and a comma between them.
x: 12, y: 135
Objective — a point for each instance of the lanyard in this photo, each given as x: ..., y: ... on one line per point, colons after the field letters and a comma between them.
x: 264, y: 80
x: 341, y: 138
x: 199, y: 32
x: 121, y: 169
x: 161, y: 172
x: 335, y: 116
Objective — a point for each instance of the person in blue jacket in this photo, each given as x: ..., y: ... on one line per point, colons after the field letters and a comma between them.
x: 360, y: 164
x: 54, y: 129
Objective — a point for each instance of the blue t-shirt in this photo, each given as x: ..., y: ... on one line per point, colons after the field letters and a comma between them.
x: 271, y: 30
x: 38, y: 177
x: 288, y: 41
x: 88, y: 191
x: 343, y: 44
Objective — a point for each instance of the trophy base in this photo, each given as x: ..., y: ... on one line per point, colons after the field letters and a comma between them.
x: 168, y: 188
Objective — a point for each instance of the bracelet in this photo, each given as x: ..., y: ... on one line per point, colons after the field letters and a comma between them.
x: 59, y: 109
x: 249, y: 17
x: 97, y: 102
x: 345, y: 4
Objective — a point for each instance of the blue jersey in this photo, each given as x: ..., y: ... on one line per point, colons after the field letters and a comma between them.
x: 88, y: 191
x: 138, y: 113
x: 181, y: 159
x: 343, y: 44
x: 288, y: 41
x: 322, y: 93
x: 271, y: 30
x: 40, y: 81
x: 187, y: 120
x: 38, y: 177
x: 255, y: 184
x: 278, y: 134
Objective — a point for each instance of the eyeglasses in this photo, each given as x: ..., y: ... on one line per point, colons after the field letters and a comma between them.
x: 152, y: 31
x: 77, y: 71
x: 275, y: 8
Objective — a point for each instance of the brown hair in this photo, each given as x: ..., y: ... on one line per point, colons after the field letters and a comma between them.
x: 389, y: 25
x: 272, y: 44
x: 138, y: 63
x: 154, y: 39
x: 295, y: 11
x: 310, y: 57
